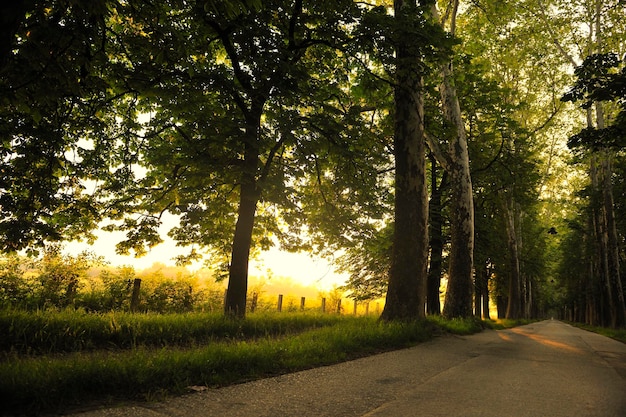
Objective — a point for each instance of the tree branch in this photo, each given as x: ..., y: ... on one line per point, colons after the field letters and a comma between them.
x: 270, y: 158
x: 442, y: 157
x: 297, y: 11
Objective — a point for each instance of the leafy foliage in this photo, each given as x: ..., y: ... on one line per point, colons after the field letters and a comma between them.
x: 599, y: 79
x: 54, y: 89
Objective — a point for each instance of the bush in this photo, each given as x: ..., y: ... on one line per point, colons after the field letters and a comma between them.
x: 13, y: 285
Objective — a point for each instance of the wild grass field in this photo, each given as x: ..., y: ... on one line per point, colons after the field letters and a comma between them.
x: 52, y: 361
x: 70, y: 335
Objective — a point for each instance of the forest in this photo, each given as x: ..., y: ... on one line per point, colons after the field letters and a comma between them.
x: 476, y: 146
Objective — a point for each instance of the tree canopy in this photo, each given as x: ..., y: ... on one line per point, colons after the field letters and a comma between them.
x: 424, y: 140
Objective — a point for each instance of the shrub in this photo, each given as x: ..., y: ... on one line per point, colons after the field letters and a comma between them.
x: 13, y: 284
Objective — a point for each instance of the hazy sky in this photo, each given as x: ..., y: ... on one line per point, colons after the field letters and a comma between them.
x: 301, y: 267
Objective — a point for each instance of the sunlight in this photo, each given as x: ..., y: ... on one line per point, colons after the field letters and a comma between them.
x: 301, y: 267
x: 546, y: 342
x: 305, y: 269
x: 505, y: 337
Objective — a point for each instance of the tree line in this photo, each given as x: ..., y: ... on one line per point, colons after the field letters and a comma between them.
x: 423, y: 140
x: 86, y: 282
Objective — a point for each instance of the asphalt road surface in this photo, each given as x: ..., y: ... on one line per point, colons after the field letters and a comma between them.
x: 540, y: 370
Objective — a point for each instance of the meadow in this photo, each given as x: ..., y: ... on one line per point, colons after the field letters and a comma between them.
x: 71, y: 337
x: 53, y: 361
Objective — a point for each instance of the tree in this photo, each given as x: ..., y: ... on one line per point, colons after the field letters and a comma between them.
x: 14, y: 290
x: 595, y: 27
x: 455, y: 160
x: 236, y: 105
x: 368, y: 265
x: 406, y: 293
x: 60, y: 276
x: 599, y: 80
x: 436, y: 238
x: 53, y: 84
x: 519, y: 136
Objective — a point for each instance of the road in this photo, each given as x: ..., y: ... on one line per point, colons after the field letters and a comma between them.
x: 546, y: 369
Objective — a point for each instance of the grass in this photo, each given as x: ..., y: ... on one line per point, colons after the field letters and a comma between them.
x: 617, y: 334
x: 502, y: 324
x: 155, y: 355
x: 45, y: 332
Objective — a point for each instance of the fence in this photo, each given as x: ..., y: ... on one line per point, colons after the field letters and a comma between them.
x: 327, y: 306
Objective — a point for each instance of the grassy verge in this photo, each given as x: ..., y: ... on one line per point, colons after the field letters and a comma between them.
x: 53, y: 382
x: 46, y: 332
x: 502, y: 324
x: 617, y: 334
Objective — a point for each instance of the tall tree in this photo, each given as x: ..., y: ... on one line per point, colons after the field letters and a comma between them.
x: 437, y: 238
x: 406, y: 292
x: 509, y: 43
x: 599, y: 81
x: 235, y: 104
x: 597, y: 29
x: 458, y: 301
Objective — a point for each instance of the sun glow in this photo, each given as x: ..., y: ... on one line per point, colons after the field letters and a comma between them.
x: 303, y: 268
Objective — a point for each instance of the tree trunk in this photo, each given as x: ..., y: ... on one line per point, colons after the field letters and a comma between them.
x: 614, y: 280
x: 501, y: 304
x: 406, y: 293
x: 514, y: 307
x: 458, y: 300
x: 479, y: 275
x: 610, y: 242
x: 433, y: 302
x: 134, y: 299
x: 485, y: 294
x: 235, y: 303
x: 600, y: 235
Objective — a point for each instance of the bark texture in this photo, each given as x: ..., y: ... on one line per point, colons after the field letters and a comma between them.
x: 458, y: 301
x: 435, y: 269
x: 406, y: 293
x: 514, y: 305
x: 459, y: 294
x: 235, y: 303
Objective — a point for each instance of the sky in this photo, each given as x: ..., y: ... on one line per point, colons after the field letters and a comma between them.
x: 301, y: 267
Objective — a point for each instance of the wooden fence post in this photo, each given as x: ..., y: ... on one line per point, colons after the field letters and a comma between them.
x: 323, y: 305
x: 302, y: 300
x: 134, y: 299
x: 280, y: 303
x: 339, y: 306
x: 255, y: 298
x: 355, y: 305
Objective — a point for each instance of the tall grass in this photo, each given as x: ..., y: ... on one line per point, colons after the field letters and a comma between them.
x: 617, y: 334
x: 462, y: 326
x: 168, y: 354
x: 47, y: 331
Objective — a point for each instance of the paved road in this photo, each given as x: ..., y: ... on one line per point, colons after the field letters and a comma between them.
x: 545, y: 369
